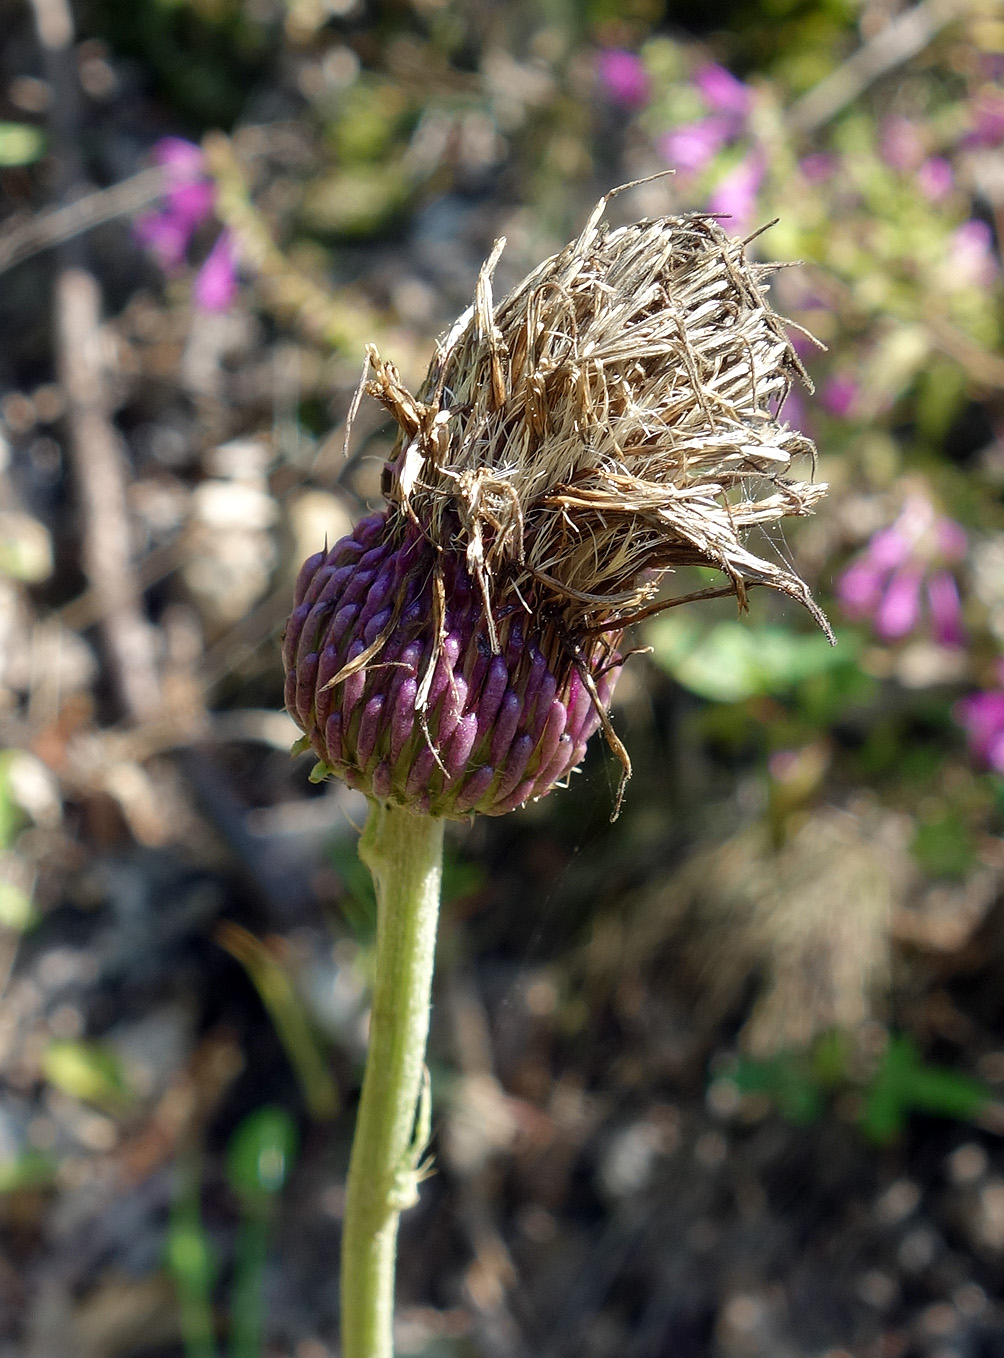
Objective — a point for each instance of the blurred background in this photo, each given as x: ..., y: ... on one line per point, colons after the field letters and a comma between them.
x: 723, y: 1078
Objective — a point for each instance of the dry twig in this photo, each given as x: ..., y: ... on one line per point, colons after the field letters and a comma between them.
x: 895, y: 44
x: 23, y: 239
x: 94, y: 442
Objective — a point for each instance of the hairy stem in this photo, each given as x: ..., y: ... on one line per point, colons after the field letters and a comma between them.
x: 404, y: 852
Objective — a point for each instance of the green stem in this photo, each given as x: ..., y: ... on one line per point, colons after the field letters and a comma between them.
x: 404, y: 852
x: 248, y: 1310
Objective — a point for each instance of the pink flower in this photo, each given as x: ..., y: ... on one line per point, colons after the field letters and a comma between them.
x: 818, y: 167
x: 189, y: 193
x: 795, y: 412
x: 901, y: 566
x: 722, y: 92
x: 859, y: 588
x: 839, y: 395
x: 216, y: 282
x: 736, y: 195
x: 691, y: 146
x: 945, y: 608
x: 187, y: 202
x: 898, y: 610
x: 982, y: 717
x: 988, y: 119
x: 623, y: 77
x: 900, y: 144
x: 972, y: 259
x: 936, y: 179
x: 166, y: 236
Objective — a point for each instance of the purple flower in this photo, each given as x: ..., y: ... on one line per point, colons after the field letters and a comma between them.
x: 691, y: 146
x: 736, y: 194
x: 859, y: 588
x: 902, y: 565
x: 951, y: 539
x: 165, y: 236
x: 982, y: 717
x: 623, y: 77
x: 795, y: 412
x: 839, y: 395
x: 189, y: 193
x: 187, y: 202
x: 972, y: 259
x: 988, y: 119
x: 936, y: 179
x: 900, y: 144
x: 722, y: 92
x: 898, y: 610
x: 946, y: 609
x: 216, y: 282
x: 818, y: 167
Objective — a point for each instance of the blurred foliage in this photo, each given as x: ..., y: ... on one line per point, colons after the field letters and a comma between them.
x: 277, y: 989
x: 89, y: 1071
x: 20, y: 143
x: 259, y: 1158
x: 732, y: 661
x: 802, y: 1084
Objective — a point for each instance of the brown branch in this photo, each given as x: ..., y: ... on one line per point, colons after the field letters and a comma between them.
x: 94, y: 442
x: 893, y: 45
x: 23, y: 239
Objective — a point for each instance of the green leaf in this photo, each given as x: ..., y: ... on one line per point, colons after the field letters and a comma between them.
x: 192, y: 1261
x: 260, y: 1156
x: 190, y: 1254
x: 11, y: 815
x: 293, y: 1024
x: 787, y: 1080
x: 88, y: 1071
x: 944, y: 846
x: 20, y: 143
x: 25, y: 548
x: 358, y: 901
x: 17, y: 910
x: 460, y: 878
x: 904, y: 1083
x: 732, y: 661
x: 29, y: 1169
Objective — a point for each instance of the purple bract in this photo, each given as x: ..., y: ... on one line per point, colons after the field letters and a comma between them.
x: 470, y: 731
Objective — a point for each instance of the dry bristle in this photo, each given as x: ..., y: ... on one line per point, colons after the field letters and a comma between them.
x: 613, y: 417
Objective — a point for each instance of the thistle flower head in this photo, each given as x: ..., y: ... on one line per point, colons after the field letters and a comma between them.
x: 612, y: 418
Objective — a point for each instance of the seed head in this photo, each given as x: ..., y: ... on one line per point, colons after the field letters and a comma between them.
x: 614, y: 417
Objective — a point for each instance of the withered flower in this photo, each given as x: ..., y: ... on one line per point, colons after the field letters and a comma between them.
x: 614, y: 417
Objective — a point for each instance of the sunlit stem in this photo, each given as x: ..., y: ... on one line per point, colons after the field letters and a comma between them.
x: 404, y: 852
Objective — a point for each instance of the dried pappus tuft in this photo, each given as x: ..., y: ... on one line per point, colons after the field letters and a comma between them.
x: 615, y: 416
